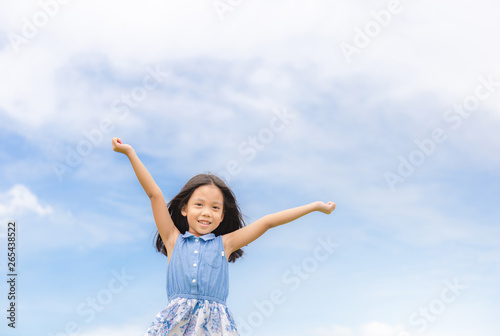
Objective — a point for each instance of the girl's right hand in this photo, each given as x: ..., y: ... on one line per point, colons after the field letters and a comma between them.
x: 120, y: 147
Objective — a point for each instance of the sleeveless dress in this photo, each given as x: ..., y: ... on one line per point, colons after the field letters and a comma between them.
x: 197, y: 288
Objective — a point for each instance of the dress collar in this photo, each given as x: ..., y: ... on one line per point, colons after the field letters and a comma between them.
x: 206, y: 237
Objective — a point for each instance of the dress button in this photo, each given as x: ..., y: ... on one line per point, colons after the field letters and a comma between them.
x: 196, y: 240
x: 194, y: 265
x: 194, y: 280
x: 196, y: 251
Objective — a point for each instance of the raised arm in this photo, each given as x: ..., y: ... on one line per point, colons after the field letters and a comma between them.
x: 166, y: 228
x: 244, y: 236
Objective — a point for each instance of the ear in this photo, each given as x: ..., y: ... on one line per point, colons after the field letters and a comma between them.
x: 183, y: 210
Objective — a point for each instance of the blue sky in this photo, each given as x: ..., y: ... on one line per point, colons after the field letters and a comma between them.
x: 401, y: 134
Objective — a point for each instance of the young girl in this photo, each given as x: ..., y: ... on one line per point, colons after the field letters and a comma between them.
x: 200, y: 231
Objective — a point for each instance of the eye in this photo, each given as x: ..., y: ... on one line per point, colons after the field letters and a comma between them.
x: 216, y: 207
x: 197, y: 204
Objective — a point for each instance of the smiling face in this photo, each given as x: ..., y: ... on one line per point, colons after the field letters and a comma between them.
x: 204, y: 210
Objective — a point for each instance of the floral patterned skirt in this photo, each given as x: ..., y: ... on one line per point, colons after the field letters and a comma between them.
x: 193, y: 317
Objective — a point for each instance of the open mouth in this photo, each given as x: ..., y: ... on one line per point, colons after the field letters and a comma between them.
x: 204, y: 223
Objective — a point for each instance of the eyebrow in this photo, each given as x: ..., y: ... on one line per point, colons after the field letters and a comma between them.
x: 202, y: 199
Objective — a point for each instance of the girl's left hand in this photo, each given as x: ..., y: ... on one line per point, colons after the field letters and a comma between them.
x: 326, y: 207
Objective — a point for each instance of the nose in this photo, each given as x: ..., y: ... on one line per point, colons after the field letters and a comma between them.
x: 205, y: 212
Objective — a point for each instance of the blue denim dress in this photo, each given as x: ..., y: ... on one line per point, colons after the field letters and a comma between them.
x: 197, y: 289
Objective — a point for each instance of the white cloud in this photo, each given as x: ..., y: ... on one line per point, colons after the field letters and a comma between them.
x: 369, y: 329
x: 381, y: 329
x: 62, y: 228
x: 118, y: 330
x: 130, y: 34
x: 20, y: 200
x: 334, y: 331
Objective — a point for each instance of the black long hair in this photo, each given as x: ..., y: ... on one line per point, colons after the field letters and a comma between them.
x: 233, y: 219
